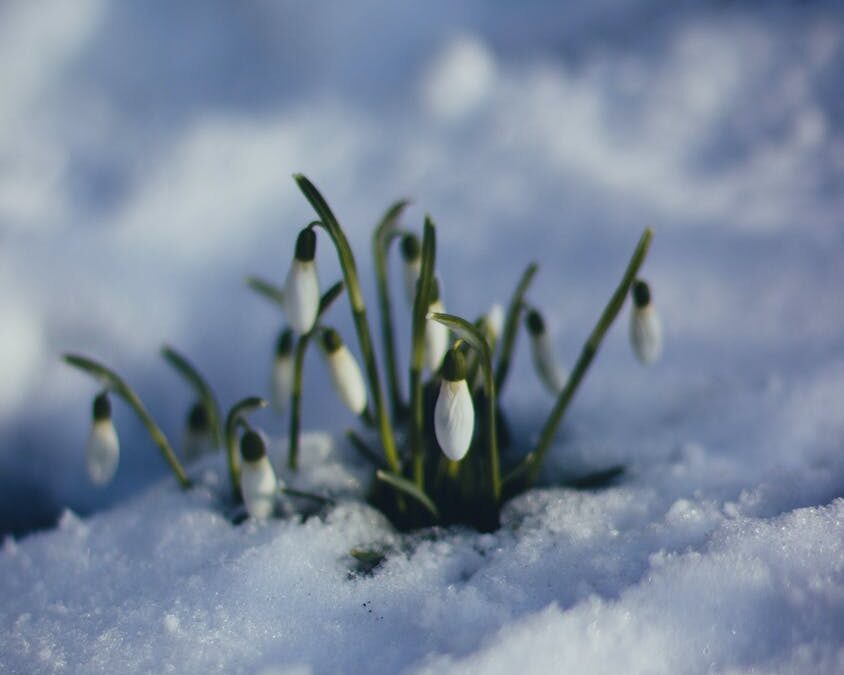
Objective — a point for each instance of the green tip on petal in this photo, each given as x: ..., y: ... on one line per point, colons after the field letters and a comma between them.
x: 535, y: 323
x: 454, y: 365
x: 306, y: 245
x: 284, y: 344
x: 102, y: 407
x: 198, y: 418
x: 331, y: 340
x: 410, y: 248
x: 641, y: 293
x: 252, y: 446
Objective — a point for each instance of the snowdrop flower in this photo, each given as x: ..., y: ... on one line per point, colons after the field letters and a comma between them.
x: 454, y: 413
x: 492, y: 323
x: 543, y: 358
x: 411, y: 253
x: 258, y: 483
x: 282, y: 375
x: 345, y: 372
x: 436, y: 334
x: 197, y: 439
x: 103, y: 450
x: 301, y: 290
x: 645, y: 326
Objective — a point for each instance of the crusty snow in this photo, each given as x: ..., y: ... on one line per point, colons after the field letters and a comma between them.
x: 145, y: 159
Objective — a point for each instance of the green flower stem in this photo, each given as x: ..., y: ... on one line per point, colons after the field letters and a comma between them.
x: 533, y: 460
x: 384, y: 234
x: 298, y: 366
x: 476, y: 339
x: 511, y: 326
x: 326, y: 501
x: 266, y: 289
x: 417, y: 352
x: 350, y: 276
x: 203, y: 391
x: 116, y: 384
x: 237, y: 416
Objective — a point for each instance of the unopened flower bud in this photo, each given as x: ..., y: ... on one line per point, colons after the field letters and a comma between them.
x: 436, y: 334
x: 543, y: 358
x: 454, y: 412
x: 645, y: 326
x: 301, y: 290
x: 345, y: 372
x: 258, y: 483
x: 281, y: 385
x: 103, y: 449
x: 197, y: 439
x: 411, y: 254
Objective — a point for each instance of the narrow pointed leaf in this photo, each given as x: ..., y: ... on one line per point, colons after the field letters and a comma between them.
x: 267, y: 290
x: 511, y: 326
x: 405, y: 486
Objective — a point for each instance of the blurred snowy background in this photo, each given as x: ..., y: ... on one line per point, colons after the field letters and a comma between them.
x: 145, y: 158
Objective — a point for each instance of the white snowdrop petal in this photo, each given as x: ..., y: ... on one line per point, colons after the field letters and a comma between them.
x: 454, y: 419
x: 347, y: 379
x: 646, y: 334
x: 495, y: 319
x: 545, y: 364
x: 259, y: 487
x: 102, y: 452
x: 411, y: 277
x: 301, y: 295
x: 436, y: 339
x: 281, y: 385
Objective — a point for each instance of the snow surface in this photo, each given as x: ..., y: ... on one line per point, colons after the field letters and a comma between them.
x: 145, y: 158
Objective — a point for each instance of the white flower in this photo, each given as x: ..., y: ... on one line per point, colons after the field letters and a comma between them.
x: 544, y: 362
x: 258, y: 483
x: 454, y: 413
x: 493, y: 322
x: 281, y: 384
x: 301, y: 290
x: 197, y: 438
x: 645, y: 326
x: 103, y: 450
x: 345, y: 373
x: 436, y: 338
x: 412, y: 257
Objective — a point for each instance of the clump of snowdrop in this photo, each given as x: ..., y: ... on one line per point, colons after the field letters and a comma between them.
x: 550, y: 374
x: 281, y: 380
x: 344, y: 371
x: 102, y: 453
x: 301, y: 290
x: 454, y: 413
x: 438, y: 460
x: 645, y: 326
x: 258, y: 483
x: 197, y: 438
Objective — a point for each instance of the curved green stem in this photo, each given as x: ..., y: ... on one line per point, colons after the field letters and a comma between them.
x: 417, y: 351
x: 473, y: 335
x: 533, y: 461
x: 116, y: 384
x: 237, y: 415
x: 511, y: 326
x: 298, y: 366
x: 200, y: 386
x: 350, y: 276
x: 384, y: 234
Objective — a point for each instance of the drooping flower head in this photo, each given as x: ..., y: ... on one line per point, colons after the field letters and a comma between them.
x: 281, y: 385
x: 436, y: 334
x: 645, y: 326
x: 102, y: 452
x: 454, y: 412
x: 411, y: 253
x: 345, y: 372
x: 258, y: 483
x: 544, y: 362
x: 301, y: 290
x: 197, y: 439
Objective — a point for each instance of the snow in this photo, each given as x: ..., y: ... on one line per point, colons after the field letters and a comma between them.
x: 145, y: 161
